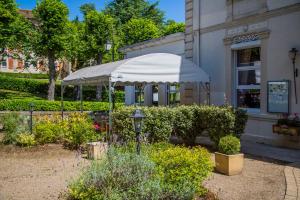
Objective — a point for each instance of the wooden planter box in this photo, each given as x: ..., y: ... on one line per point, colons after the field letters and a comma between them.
x: 96, y: 150
x: 286, y: 130
x: 229, y: 164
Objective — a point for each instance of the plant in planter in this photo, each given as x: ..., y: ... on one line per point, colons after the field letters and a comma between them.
x: 288, y: 125
x: 229, y: 160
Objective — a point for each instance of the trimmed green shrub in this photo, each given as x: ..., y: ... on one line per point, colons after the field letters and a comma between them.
x: 186, y: 122
x: 119, y: 176
x: 182, y: 171
x: 24, y: 75
x: 241, y: 118
x: 44, y: 105
x: 229, y: 145
x: 13, y: 124
x: 158, y: 123
x: 25, y: 140
x: 40, y: 87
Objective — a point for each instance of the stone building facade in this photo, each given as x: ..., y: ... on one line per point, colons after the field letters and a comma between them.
x: 243, y: 44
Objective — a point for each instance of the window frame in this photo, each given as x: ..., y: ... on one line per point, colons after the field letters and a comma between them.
x: 236, y: 78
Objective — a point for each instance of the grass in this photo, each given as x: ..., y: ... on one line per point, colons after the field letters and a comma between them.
x: 11, y: 94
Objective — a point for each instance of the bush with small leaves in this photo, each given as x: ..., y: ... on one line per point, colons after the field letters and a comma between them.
x: 229, y: 145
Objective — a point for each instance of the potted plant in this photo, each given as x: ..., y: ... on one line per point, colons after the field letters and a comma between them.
x: 228, y: 159
x: 288, y: 125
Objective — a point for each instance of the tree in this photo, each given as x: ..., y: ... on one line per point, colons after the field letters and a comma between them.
x: 52, y: 16
x: 173, y: 27
x: 15, y: 30
x: 98, y: 30
x: 138, y: 30
x: 125, y: 10
x: 86, y: 8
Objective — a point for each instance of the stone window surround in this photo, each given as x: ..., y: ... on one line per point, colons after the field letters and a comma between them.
x: 263, y: 36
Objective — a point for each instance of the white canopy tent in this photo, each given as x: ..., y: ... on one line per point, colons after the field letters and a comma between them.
x: 150, y: 68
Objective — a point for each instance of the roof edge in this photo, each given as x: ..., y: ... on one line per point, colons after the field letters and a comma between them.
x: 154, y: 42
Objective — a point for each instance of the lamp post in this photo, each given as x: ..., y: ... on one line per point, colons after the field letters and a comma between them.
x: 137, y: 118
x: 110, y: 46
x: 31, y: 106
x: 293, y: 53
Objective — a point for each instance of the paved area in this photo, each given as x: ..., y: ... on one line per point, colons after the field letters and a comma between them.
x: 292, y: 178
x: 264, y: 150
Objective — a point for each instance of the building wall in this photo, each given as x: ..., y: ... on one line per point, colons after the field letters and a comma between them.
x: 215, y: 25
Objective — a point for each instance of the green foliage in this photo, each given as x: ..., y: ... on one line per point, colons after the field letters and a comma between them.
x: 39, y: 88
x: 229, y: 145
x: 75, y: 130
x: 139, y: 30
x: 241, y: 118
x: 24, y: 75
x: 186, y: 122
x: 78, y: 130
x: 119, y: 176
x: 158, y: 123
x: 45, y: 105
x: 162, y: 171
x: 123, y: 11
x: 13, y: 125
x: 52, y: 16
x: 25, y: 140
x: 182, y: 171
x: 173, y: 27
x: 98, y: 30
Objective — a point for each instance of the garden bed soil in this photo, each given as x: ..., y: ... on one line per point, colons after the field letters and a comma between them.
x: 260, y: 179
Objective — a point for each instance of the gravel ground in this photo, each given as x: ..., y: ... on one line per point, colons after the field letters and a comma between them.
x: 261, y: 179
x: 37, y: 173
x: 44, y: 172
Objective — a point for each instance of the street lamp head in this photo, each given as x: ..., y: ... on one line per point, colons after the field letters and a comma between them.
x: 137, y: 117
x: 108, y: 45
x: 293, y: 53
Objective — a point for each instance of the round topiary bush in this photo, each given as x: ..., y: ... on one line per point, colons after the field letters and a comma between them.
x: 229, y: 145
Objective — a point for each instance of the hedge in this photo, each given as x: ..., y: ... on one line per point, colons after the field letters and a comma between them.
x: 24, y: 75
x: 40, y: 87
x: 186, y: 122
x: 44, y: 105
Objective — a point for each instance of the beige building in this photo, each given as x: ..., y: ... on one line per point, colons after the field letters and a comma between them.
x: 243, y: 45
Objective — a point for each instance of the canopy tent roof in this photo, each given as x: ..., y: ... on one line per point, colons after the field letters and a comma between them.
x: 150, y: 68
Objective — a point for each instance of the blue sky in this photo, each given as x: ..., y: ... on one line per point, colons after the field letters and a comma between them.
x: 174, y: 9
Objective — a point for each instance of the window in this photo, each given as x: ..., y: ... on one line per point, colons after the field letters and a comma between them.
x: 248, y: 78
x: 174, y: 94
x: 139, y: 95
x: 3, y: 64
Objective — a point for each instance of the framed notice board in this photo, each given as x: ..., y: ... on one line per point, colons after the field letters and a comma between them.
x: 279, y: 96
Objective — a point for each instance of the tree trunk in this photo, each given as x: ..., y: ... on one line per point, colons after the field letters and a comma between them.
x: 52, y: 73
x: 99, y: 93
x: 99, y: 59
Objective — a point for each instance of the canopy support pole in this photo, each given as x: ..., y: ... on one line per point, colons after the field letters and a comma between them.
x: 62, y: 100
x: 81, y: 105
x: 110, y: 111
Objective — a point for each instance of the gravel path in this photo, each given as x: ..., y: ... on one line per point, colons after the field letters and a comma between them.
x: 44, y: 172
x: 37, y: 173
x: 261, y: 179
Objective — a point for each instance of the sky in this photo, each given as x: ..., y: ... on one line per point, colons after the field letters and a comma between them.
x: 172, y: 10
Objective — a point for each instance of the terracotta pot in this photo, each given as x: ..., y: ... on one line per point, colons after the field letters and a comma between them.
x: 229, y: 164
